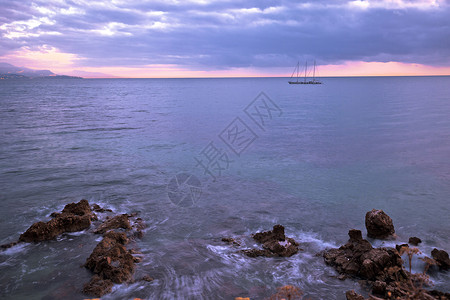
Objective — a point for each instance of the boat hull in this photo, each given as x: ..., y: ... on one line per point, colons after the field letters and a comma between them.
x: 305, y: 82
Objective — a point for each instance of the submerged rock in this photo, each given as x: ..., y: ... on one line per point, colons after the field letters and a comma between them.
x: 379, y: 225
x: 98, y: 287
x: 274, y: 243
x: 97, y: 208
x: 414, y: 241
x: 231, y: 241
x: 74, y: 217
x: 120, y: 221
x: 441, y: 258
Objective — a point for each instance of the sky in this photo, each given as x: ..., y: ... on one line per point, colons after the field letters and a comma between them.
x: 226, y: 38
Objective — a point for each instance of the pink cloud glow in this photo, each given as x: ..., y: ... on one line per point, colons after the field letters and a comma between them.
x: 47, y: 57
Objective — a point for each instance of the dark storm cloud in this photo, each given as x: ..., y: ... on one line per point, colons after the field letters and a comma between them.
x: 225, y: 34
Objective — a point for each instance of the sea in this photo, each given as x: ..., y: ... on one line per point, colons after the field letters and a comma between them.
x: 203, y: 159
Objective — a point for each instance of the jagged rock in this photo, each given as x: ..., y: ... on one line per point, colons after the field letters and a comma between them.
x: 277, y: 234
x: 358, y: 258
x: 80, y: 209
x: 441, y: 258
x: 98, y: 287
x: 120, y: 221
x: 378, y: 224
x: 231, y: 241
x: 111, y: 260
x: 414, y: 241
x: 74, y: 217
x: 97, y: 208
x: 274, y: 243
x: 352, y: 295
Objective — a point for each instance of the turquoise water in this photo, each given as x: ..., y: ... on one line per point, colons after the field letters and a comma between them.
x: 332, y: 153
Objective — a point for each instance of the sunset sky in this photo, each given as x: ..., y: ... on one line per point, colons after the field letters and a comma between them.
x: 201, y: 38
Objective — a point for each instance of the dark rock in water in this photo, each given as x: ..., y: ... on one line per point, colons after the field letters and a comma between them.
x: 98, y: 287
x: 111, y: 260
x: 441, y: 258
x: 147, y: 278
x: 97, y: 208
x: 277, y: 234
x: 258, y: 252
x: 74, y: 217
x: 274, y: 243
x: 378, y: 224
x: 358, y: 258
x: 9, y: 245
x: 352, y: 295
x: 414, y: 241
x: 231, y: 241
x: 139, y: 226
x: 120, y: 221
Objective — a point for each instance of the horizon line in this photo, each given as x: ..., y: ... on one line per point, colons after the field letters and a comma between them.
x: 238, y: 77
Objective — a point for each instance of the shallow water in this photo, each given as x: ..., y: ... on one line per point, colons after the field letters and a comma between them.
x: 336, y: 151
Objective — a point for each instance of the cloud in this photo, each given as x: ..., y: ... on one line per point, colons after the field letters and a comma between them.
x: 226, y: 34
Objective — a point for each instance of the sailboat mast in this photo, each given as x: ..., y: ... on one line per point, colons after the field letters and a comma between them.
x: 298, y: 67
x: 314, y: 72
x: 306, y: 69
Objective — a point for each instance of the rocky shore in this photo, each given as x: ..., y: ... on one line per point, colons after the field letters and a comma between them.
x: 381, y: 270
x: 110, y: 261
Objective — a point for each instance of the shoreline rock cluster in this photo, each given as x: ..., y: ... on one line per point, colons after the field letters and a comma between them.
x: 110, y: 261
x: 382, y: 269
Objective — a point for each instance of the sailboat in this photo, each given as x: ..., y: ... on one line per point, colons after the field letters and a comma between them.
x: 297, y: 70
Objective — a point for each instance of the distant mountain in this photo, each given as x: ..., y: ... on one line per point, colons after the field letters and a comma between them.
x: 8, y: 71
x: 87, y: 74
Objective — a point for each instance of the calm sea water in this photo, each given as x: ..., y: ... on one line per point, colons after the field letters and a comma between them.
x: 336, y: 151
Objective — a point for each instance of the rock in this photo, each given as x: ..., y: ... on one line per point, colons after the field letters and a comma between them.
x: 277, y: 234
x: 231, y: 241
x: 111, y: 260
x: 441, y: 258
x: 9, y: 245
x: 274, y: 243
x: 357, y: 258
x: 352, y: 295
x: 257, y: 252
x: 74, y: 217
x: 120, y: 221
x: 97, y: 208
x: 147, y: 278
x: 414, y: 241
x: 80, y: 209
x: 379, y: 288
x: 288, y: 292
x: 378, y: 224
x: 98, y: 287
